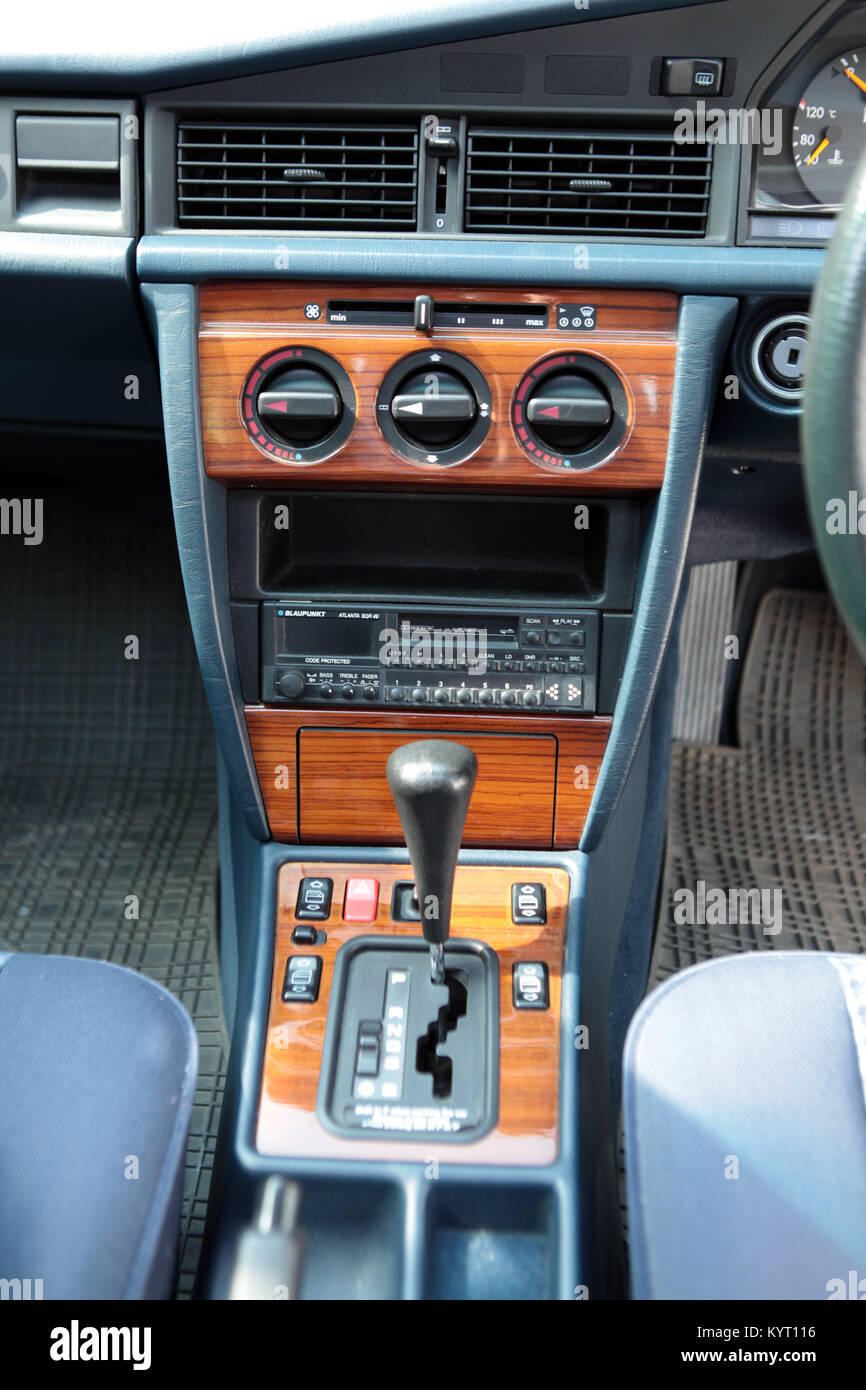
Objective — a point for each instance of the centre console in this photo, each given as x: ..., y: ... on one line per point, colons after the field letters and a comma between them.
x: 434, y: 518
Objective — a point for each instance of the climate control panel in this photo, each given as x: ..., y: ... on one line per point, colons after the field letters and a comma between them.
x: 412, y: 656
x: 403, y: 386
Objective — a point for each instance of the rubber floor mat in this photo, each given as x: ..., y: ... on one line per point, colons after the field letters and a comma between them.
x: 766, y: 843
x: 108, y: 803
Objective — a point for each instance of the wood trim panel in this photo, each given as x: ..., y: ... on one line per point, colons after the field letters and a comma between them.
x: 513, y: 810
x: 526, y: 1131
x: 240, y: 323
x: 341, y: 773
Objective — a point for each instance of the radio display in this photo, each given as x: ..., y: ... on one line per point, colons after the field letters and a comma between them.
x: 501, y: 632
x: 328, y: 635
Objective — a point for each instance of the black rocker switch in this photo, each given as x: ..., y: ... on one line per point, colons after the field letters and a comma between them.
x: 431, y: 783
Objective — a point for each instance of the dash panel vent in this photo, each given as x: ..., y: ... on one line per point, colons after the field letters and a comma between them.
x: 599, y: 183
x: 248, y: 176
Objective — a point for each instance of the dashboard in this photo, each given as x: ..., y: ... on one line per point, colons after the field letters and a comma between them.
x: 452, y: 331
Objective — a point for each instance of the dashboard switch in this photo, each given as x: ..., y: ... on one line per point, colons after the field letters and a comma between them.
x: 361, y: 900
x: 314, y: 899
x: 423, y: 313
x: 528, y: 904
x: 692, y: 77
x: 303, y: 975
x: 530, y: 985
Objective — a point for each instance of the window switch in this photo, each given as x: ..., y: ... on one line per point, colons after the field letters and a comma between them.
x: 530, y: 985
x: 528, y: 904
x: 303, y: 976
x: 314, y: 899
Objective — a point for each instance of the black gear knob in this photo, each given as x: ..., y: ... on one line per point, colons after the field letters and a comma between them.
x: 431, y: 783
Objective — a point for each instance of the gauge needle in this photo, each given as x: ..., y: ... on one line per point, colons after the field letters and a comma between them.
x: 858, y: 81
x: 814, y: 155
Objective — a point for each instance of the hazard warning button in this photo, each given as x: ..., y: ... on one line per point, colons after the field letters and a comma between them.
x: 361, y: 900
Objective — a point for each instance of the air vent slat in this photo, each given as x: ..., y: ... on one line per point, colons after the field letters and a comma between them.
x: 316, y: 177
x: 518, y: 181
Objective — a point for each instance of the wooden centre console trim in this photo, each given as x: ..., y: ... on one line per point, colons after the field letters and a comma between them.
x: 322, y: 774
x: 241, y: 323
x: 526, y: 1131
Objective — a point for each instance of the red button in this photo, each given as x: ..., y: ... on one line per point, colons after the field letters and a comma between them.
x: 361, y: 901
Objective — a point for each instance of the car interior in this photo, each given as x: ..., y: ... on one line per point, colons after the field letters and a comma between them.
x: 432, y: 701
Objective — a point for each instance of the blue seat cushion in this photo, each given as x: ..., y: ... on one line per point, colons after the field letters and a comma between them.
x: 98, y: 1068
x: 745, y: 1130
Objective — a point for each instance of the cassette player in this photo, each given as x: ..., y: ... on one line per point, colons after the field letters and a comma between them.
x: 319, y: 655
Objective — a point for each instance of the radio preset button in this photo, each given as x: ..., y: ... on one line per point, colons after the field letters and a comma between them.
x: 508, y: 697
x: 419, y: 695
x: 442, y: 696
x: 486, y: 697
x: 530, y: 698
x: 397, y: 694
x: 464, y: 696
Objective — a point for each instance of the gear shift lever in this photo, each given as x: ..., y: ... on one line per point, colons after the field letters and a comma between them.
x: 431, y: 783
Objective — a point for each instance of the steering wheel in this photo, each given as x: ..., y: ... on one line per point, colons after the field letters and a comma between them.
x: 834, y: 413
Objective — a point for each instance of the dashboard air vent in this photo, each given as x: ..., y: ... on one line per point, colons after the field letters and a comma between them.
x: 248, y: 176
x: 598, y: 183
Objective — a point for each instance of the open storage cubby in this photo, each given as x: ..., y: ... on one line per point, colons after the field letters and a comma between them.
x: 472, y: 548
x: 353, y: 1239
x: 490, y: 1243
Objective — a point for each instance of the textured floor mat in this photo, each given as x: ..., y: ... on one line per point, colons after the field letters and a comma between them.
x: 108, y: 813
x: 782, y: 818
x: 706, y: 621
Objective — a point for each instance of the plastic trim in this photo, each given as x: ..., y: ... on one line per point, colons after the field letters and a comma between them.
x: 681, y: 268
x: 201, y: 525
x: 703, y: 331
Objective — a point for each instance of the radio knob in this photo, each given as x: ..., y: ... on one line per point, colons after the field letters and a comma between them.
x: 508, y: 697
x: 290, y: 685
x: 369, y: 692
x: 486, y: 697
x: 530, y: 698
x: 347, y: 692
x: 326, y: 691
x: 464, y: 696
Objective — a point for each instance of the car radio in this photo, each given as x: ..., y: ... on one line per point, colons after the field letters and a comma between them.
x: 371, y: 655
